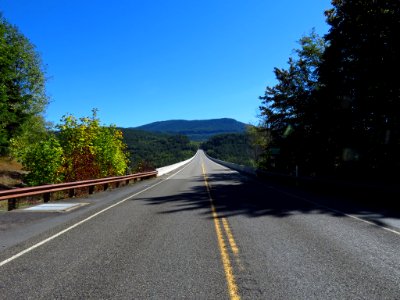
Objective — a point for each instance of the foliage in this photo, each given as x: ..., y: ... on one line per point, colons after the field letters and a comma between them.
x: 231, y: 147
x: 80, y: 149
x: 110, y: 150
x: 334, y: 110
x: 153, y: 150
x: 22, y: 83
x: 44, y: 160
x: 38, y: 151
x: 90, y: 150
x: 29, y: 133
x: 360, y: 119
x: 259, y: 140
x: 287, y: 108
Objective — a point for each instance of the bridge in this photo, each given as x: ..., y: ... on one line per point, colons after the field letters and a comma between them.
x: 202, y: 231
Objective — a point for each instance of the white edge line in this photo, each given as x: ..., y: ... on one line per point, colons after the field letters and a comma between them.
x: 340, y: 212
x: 84, y: 220
x: 324, y: 206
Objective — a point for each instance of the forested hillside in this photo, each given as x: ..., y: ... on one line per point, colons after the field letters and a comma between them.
x: 152, y: 150
x: 234, y: 147
x: 196, y: 130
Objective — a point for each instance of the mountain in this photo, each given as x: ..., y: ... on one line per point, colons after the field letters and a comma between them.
x: 196, y: 130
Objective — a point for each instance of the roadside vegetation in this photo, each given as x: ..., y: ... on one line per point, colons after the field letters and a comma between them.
x: 334, y: 109
x: 75, y: 149
x: 79, y: 149
x: 22, y: 85
x: 23, y: 98
x: 34, y: 152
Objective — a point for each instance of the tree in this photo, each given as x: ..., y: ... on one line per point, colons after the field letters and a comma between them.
x: 29, y: 133
x: 231, y: 147
x: 149, y: 150
x: 22, y: 82
x: 90, y: 150
x: 259, y: 140
x: 110, y: 151
x: 359, y: 96
x: 287, y: 110
x: 80, y: 149
x: 44, y: 161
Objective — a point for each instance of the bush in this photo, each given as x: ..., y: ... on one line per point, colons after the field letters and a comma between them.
x: 81, y: 149
x: 44, y: 160
x: 90, y: 150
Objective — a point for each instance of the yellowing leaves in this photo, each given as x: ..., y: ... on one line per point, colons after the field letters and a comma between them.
x: 81, y: 149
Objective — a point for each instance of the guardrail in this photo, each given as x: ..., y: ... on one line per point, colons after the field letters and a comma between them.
x: 369, y: 192
x: 12, y: 195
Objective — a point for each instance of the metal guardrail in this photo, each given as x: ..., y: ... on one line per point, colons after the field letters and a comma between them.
x: 12, y: 195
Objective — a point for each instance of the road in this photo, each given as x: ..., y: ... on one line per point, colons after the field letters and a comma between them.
x: 203, y: 232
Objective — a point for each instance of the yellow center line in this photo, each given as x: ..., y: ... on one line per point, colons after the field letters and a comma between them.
x: 232, y: 243
x: 231, y: 240
x: 230, y: 277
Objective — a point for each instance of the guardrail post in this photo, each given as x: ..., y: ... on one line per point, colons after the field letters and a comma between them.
x: 46, y: 197
x: 12, y: 204
x: 70, y: 188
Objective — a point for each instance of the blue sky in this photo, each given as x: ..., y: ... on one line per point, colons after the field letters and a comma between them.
x: 145, y: 61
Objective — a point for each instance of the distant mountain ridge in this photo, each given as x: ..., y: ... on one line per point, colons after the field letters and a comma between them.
x: 196, y: 130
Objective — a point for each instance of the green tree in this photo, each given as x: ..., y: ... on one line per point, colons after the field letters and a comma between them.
x: 29, y: 133
x: 287, y: 110
x: 149, y: 150
x: 110, y: 151
x: 22, y: 82
x: 231, y: 147
x: 44, y: 161
x: 359, y: 99
x: 90, y: 150
x: 259, y: 139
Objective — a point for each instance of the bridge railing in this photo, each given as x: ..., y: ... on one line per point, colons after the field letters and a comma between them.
x: 12, y: 195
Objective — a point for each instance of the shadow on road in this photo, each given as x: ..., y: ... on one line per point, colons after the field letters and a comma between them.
x: 234, y: 194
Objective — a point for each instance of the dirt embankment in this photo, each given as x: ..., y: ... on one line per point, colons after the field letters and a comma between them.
x: 11, y: 173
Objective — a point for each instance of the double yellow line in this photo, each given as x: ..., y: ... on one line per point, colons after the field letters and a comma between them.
x: 230, y: 277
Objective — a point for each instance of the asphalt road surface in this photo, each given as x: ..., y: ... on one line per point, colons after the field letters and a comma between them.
x: 201, y: 232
